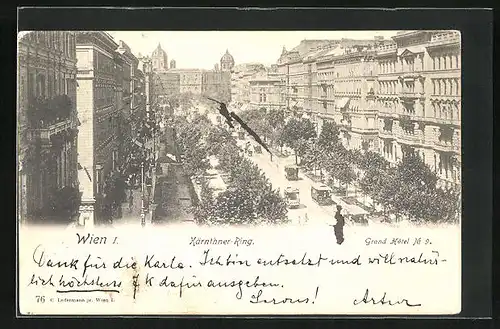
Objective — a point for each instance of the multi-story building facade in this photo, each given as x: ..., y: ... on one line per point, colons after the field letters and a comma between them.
x: 166, y: 83
x: 334, y: 80
x: 240, y: 84
x: 103, y: 90
x: 325, y: 106
x: 298, y: 78
x: 419, y: 100
x: 354, y: 80
x: 266, y: 90
x: 47, y: 122
x: 190, y: 80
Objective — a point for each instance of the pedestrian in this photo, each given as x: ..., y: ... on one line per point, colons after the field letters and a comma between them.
x: 339, y: 226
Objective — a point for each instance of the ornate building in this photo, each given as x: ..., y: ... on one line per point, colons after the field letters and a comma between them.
x: 227, y: 61
x: 159, y: 59
x: 166, y: 83
x: 133, y: 106
x: 240, y: 84
x: 334, y: 80
x: 395, y: 96
x: 103, y: 97
x: 419, y: 100
x: 47, y: 125
x: 215, y: 83
x: 354, y: 81
x: 266, y: 90
x: 172, y: 64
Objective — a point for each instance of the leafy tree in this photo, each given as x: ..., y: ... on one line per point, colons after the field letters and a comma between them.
x: 296, y: 133
x: 329, y: 135
x: 217, y: 139
x: 271, y: 206
x: 314, y: 156
x: 445, y: 205
x: 276, y: 118
x: 236, y: 206
x: 417, y: 183
x: 340, y: 165
x: 277, y: 138
x: 204, y: 212
x: 412, y: 171
x: 369, y: 159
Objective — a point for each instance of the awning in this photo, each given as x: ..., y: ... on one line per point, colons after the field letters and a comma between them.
x: 341, y: 103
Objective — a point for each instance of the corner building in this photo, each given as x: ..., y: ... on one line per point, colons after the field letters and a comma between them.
x: 419, y: 100
x: 101, y: 96
x: 47, y: 124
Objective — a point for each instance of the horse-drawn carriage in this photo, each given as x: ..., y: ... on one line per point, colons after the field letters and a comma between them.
x: 292, y: 197
x: 321, y: 194
x: 292, y: 172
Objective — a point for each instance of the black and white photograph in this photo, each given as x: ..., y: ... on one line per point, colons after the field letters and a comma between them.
x: 150, y: 128
x: 293, y: 166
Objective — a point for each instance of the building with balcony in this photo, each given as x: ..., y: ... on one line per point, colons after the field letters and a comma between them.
x: 240, y: 84
x: 354, y: 80
x: 103, y: 100
x: 266, y: 90
x: 419, y: 100
x: 325, y: 80
x: 47, y: 126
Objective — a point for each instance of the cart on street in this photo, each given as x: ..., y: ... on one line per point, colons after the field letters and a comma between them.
x: 292, y: 172
x: 321, y: 194
x: 292, y: 197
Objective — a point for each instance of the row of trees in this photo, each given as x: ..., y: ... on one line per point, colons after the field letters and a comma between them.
x: 249, y: 197
x: 408, y: 189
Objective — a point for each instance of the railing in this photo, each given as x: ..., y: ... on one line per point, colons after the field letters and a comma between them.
x: 386, y: 48
x: 387, y: 113
x: 446, y: 146
x: 412, y: 138
x: 411, y: 116
x: 444, y: 121
x: 445, y: 37
x: 46, y: 133
x: 411, y: 94
x: 44, y: 113
x: 386, y: 134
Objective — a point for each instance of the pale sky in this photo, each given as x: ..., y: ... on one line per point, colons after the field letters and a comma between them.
x: 202, y: 49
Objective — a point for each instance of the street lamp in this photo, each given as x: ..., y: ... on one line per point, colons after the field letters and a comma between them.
x: 143, y: 212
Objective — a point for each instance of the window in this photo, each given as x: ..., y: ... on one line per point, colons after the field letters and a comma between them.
x: 41, y: 85
x: 52, y: 85
x: 31, y: 85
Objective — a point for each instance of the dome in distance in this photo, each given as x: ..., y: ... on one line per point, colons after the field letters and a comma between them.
x: 227, y: 61
x: 227, y: 57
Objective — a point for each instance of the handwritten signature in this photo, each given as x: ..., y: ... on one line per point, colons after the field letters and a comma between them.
x: 382, y: 301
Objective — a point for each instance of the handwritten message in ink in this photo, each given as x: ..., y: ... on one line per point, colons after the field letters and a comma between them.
x: 238, y: 274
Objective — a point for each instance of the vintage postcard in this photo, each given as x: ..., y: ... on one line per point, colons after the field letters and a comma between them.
x: 239, y: 173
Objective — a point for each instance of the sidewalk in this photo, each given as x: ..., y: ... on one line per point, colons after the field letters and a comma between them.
x: 133, y: 216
